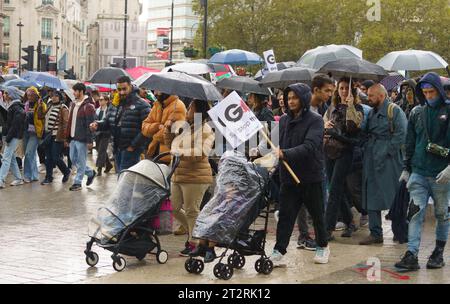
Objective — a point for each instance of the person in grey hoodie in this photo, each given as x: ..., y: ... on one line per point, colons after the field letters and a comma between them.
x: 13, y: 132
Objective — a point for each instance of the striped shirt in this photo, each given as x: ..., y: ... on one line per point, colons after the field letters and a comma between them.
x: 51, y: 119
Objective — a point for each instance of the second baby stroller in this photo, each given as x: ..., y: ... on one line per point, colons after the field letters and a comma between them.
x: 124, y: 225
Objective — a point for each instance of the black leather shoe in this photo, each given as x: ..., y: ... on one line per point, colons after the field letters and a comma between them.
x: 348, y: 232
x: 90, y: 180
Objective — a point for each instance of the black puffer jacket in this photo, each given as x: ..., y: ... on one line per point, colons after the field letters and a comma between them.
x: 125, y: 122
x: 15, y: 123
x: 301, y: 140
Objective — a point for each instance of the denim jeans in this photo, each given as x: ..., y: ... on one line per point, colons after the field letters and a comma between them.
x: 126, y: 160
x: 30, y: 167
x: 421, y: 189
x: 337, y: 171
x: 375, y: 223
x: 9, y: 161
x: 53, y: 157
x: 78, y: 155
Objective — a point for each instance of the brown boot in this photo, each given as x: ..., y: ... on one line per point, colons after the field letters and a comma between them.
x: 99, y: 171
x: 180, y: 231
x: 371, y: 240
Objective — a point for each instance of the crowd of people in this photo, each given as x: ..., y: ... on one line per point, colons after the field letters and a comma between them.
x: 351, y: 144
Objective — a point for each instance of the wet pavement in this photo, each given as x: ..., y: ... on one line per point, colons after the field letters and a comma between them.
x: 45, y: 230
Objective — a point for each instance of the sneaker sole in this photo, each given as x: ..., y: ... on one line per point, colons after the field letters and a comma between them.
x: 435, y: 267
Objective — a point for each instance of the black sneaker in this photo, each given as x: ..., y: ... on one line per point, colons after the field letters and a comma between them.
x: 199, y: 251
x: 75, y: 187
x: 66, y: 177
x: 348, y: 232
x: 307, y: 243
x: 108, y: 168
x: 46, y: 181
x: 436, y: 260
x: 187, y: 250
x: 90, y: 180
x: 210, y: 255
x: 409, y: 262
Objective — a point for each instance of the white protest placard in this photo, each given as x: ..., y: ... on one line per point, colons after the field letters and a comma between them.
x: 271, y: 63
x: 234, y: 119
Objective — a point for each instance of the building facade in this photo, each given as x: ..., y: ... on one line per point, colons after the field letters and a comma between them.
x: 185, y: 25
x: 45, y: 20
x: 3, y: 55
x: 106, y: 35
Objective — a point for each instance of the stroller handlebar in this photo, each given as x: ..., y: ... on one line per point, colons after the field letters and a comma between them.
x: 175, y: 162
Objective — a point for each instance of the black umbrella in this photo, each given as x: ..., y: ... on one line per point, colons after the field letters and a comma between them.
x: 243, y: 84
x: 180, y: 84
x: 108, y: 75
x: 356, y: 68
x: 280, y: 66
x: 282, y: 79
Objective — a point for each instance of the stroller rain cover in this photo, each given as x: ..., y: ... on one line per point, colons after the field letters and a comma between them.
x: 239, y: 188
x: 133, y: 196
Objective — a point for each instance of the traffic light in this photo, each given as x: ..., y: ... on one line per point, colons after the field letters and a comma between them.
x: 29, y: 58
x: 39, y: 53
x: 45, y: 60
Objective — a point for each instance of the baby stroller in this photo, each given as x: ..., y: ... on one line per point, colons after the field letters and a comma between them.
x: 124, y: 225
x: 241, y: 196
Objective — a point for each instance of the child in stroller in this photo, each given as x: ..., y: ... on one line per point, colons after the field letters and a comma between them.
x: 240, y: 196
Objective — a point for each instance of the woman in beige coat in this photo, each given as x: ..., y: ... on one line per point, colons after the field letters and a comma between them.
x: 193, y: 176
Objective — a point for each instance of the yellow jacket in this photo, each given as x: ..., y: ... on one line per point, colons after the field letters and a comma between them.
x: 153, y: 127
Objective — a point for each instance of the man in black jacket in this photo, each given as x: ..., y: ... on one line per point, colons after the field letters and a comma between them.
x: 125, y: 123
x: 301, y: 141
x: 13, y: 133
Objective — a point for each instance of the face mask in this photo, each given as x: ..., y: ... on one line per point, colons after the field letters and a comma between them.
x: 434, y: 102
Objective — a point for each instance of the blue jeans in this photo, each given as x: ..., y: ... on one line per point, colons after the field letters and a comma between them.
x: 126, y: 160
x: 30, y: 168
x: 421, y: 189
x: 375, y: 223
x: 53, y: 157
x: 78, y: 155
x: 9, y: 161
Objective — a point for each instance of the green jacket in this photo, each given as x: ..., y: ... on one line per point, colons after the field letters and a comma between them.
x: 418, y: 160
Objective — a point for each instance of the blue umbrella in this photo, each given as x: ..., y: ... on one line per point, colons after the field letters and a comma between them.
x: 20, y: 83
x: 46, y: 79
x: 236, y: 57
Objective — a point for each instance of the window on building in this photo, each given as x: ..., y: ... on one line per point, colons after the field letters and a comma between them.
x: 116, y: 44
x: 106, y: 44
x: 134, y: 44
x: 47, y: 28
x: 6, y: 26
x: 6, y: 2
x: 47, y: 49
x: 47, y: 2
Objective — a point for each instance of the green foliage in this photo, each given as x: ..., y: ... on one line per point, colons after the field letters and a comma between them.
x: 291, y: 27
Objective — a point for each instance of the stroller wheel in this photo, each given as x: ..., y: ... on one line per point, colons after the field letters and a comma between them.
x: 236, y: 260
x: 227, y: 272
x: 267, y: 267
x: 119, y: 264
x: 188, y: 265
x: 259, y: 265
x: 162, y: 257
x: 197, y: 266
x: 217, y: 270
x: 92, y: 258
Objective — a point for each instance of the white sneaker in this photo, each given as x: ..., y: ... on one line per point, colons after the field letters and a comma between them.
x: 15, y: 183
x: 278, y: 259
x: 2, y: 185
x: 340, y: 226
x: 322, y: 255
x: 26, y: 180
x: 276, y: 215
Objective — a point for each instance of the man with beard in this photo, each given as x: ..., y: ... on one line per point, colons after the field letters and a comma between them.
x: 125, y: 123
x: 166, y: 110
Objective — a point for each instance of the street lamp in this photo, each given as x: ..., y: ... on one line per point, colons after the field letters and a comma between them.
x: 171, y: 34
x: 20, y: 25
x: 124, y: 65
x: 204, y: 4
x: 57, y: 48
